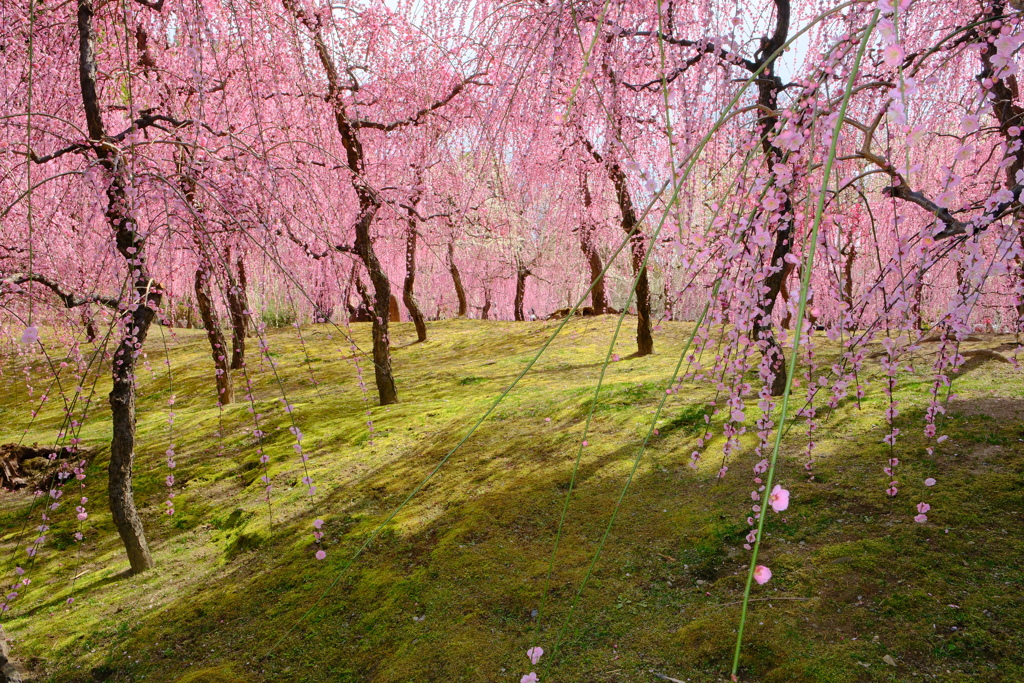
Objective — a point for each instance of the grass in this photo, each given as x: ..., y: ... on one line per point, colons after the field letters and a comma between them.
x: 448, y: 591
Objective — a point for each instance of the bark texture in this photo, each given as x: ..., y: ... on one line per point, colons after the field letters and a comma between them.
x: 460, y: 291
x: 238, y: 305
x: 141, y: 310
x: 598, y: 294
x: 218, y: 345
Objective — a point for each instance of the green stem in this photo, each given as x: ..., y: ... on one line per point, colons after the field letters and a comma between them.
x: 805, y: 282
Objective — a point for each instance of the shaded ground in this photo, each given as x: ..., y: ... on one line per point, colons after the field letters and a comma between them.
x: 451, y: 590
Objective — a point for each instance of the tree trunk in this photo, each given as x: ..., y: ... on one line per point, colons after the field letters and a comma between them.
x: 847, y: 294
x: 627, y: 219
x: 410, y: 278
x: 598, y: 294
x: 238, y: 304
x: 762, y: 328
x: 644, y: 339
x: 369, y: 204
x: 768, y: 87
x: 787, y: 318
x: 122, y: 445
x: 916, y: 294
x: 485, y: 312
x: 522, y: 272
x: 460, y: 291
x: 218, y: 346
x: 90, y: 325
x: 139, y: 315
x: 386, y: 389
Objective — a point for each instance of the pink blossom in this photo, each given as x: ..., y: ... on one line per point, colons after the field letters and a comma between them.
x: 779, y: 498
x: 534, y: 653
x: 321, y: 554
x: 923, y: 507
x: 762, y: 574
x: 30, y: 335
x: 529, y: 678
x: 929, y: 482
x: 921, y: 519
x: 892, y: 55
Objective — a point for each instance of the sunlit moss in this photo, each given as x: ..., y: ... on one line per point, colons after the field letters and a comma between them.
x: 448, y: 590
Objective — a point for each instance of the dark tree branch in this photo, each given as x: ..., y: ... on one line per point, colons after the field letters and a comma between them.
x: 344, y: 248
x: 144, y: 121
x: 70, y: 300
x: 415, y: 118
x: 953, y: 227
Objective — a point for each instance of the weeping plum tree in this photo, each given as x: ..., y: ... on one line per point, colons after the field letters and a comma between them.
x: 832, y: 188
x: 350, y: 131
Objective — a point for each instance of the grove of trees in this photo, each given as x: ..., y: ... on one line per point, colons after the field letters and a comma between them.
x: 761, y: 170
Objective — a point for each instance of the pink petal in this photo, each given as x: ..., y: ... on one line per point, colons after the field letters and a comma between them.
x: 929, y: 482
x: 762, y: 574
x: 320, y: 554
x: 534, y: 653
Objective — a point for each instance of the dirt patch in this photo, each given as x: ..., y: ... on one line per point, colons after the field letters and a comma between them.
x: 978, y: 357
x: 1002, y: 409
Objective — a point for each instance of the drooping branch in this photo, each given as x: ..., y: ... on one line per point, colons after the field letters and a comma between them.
x: 70, y: 299
x: 146, y: 120
x: 954, y: 227
x: 317, y: 255
x: 415, y: 118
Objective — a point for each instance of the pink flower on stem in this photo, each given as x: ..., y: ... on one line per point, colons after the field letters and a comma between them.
x: 534, y: 653
x: 779, y: 498
x: 529, y: 678
x: 762, y: 574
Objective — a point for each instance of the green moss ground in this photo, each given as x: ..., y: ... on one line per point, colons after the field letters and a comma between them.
x: 855, y: 578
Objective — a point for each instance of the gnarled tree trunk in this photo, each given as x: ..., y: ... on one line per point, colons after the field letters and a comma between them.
x: 598, y: 294
x: 386, y: 390
x: 238, y: 305
x: 122, y: 444
x: 460, y: 291
x: 485, y: 312
x: 408, y: 296
x: 522, y: 272
x: 628, y: 222
x: 369, y: 204
x: 218, y: 345
x: 768, y: 87
x: 140, y: 313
